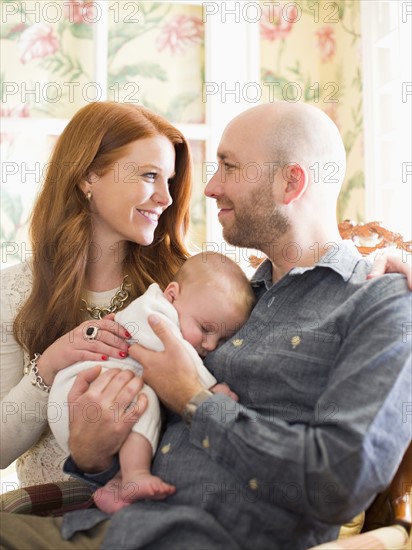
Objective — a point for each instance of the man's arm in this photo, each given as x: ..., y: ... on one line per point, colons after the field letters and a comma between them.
x: 352, y: 447
x: 171, y: 373
x: 112, y: 394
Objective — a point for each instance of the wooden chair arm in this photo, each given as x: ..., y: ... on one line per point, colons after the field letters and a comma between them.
x: 400, y: 493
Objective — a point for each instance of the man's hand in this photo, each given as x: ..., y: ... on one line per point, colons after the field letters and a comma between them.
x: 392, y: 262
x: 171, y: 373
x: 102, y: 413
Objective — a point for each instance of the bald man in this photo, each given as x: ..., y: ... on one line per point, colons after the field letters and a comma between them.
x: 301, y: 158
x: 322, y: 371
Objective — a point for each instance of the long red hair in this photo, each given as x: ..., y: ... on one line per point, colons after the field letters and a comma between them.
x: 60, y: 227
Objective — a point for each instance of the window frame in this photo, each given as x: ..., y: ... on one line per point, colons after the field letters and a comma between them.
x: 387, y: 60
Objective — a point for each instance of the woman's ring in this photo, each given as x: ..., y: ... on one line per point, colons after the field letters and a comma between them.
x: 91, y: 332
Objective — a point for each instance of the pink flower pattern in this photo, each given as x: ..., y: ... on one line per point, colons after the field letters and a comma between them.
x: 180, y: 31
x: 18, y: 111
x: 75, y: 11
x: 37, y: 41
x: 276, y: 23
x: 326, y: 43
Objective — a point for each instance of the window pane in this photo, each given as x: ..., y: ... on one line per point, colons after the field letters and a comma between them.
x: 24, y: 161
x: 156, y: 58
x: 305, y: 53
x: 197, y: 235
x: 47, y: 58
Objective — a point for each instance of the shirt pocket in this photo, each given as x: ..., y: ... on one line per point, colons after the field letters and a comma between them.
x: 289, y: 371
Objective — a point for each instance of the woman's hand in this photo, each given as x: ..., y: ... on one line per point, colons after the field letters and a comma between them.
x: 103, y: 410
x: 171, y: 373
x: 394, y: 261
x: 75, y: 346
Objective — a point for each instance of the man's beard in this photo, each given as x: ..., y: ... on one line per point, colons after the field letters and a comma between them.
x: 258, y: 222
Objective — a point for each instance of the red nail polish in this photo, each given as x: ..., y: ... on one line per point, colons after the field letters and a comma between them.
x: 122, y: 354
x: 104, y: 357
x: 128, y: 335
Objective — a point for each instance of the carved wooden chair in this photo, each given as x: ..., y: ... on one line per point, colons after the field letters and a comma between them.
x: 371, y: 236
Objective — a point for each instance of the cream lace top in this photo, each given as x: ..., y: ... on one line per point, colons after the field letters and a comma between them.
x: 24, y: 433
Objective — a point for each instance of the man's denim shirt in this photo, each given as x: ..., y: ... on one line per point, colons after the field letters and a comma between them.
x: 323, y: 373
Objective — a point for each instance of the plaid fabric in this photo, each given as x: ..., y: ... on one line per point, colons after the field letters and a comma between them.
x: 49, y: 499
x: 386, y: 538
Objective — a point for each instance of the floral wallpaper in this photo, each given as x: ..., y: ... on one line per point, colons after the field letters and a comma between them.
x: 24, y: 156
x: 167, y: 49
x: 310, y: 51
x: 155, y: 58
x: 47, y: 54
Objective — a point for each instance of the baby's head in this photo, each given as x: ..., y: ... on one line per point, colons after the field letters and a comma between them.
x: 213, y: 299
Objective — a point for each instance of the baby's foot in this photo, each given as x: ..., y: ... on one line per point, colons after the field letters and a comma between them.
x: 145, y: 485
x: 118, y: 493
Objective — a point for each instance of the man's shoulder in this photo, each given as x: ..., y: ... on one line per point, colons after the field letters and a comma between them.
x: 386, y: 283
x: 381, y: 292
x: 15, y: 288
x: 350, y: 289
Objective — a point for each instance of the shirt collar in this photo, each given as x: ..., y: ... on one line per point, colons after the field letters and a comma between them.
x: 341, y: 258
x: 263, y: 275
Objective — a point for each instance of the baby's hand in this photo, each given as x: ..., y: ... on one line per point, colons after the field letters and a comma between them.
x: 224, y: 388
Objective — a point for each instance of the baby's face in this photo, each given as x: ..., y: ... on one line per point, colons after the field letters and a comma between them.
x: 207, y: 318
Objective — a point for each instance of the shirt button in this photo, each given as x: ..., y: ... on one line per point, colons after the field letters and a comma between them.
x: 270, y: 302
x: 206, y: 443
x: 237, y: 342
x: 295, y: 341
x: 253, y: 484
x: 165, y: 449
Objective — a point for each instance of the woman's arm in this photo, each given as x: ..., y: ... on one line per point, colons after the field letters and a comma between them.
x: 23, y: 406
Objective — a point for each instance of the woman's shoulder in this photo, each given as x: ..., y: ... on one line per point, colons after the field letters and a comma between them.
x: 20, y: 273
x: 16, y: 282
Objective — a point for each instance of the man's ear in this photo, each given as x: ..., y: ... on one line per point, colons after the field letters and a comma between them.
x: 172, y: 291
x: 296, y: 182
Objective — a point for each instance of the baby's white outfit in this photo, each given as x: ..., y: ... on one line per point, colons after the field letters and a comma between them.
x: 134, y: 319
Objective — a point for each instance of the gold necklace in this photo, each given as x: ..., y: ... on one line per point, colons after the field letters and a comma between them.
x: 116, y: 303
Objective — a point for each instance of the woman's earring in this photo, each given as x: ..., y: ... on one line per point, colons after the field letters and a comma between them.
x: 89, y: 196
